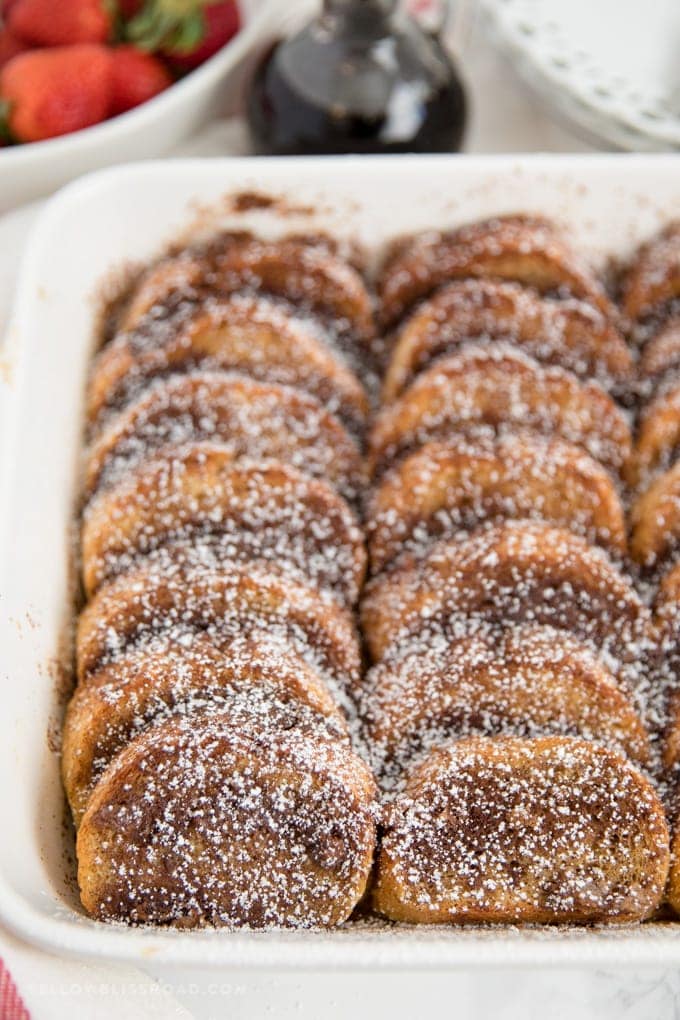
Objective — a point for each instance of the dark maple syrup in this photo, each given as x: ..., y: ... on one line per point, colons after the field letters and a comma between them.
x: 357, y: 79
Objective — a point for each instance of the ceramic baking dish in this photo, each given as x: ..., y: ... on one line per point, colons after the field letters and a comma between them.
x: 94, y: 229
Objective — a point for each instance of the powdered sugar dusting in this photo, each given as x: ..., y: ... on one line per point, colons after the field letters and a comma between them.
x: 498, y: 389
x: 218, y: 750
x: 252, y: 419
x: 546, y: 829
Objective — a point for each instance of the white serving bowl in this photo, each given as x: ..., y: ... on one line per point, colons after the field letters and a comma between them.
x: 28, y: 171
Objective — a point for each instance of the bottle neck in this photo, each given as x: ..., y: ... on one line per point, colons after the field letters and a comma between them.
x: 359, y: 7
x: 359, y: 16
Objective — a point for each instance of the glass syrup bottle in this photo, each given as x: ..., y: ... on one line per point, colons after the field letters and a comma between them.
x: 359, y: 78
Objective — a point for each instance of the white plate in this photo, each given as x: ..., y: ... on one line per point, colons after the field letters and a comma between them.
x: 611, y: 67
x: 28, y: 171
x: 126, y: 214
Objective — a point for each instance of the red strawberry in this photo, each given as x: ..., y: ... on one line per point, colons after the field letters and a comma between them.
x: 10, y: 46
x: 187, y: 32
x: 137, y: 77
x: 129, y: 8
x: 221, y: 23
x: 60, y: 22
x: 47, y: 93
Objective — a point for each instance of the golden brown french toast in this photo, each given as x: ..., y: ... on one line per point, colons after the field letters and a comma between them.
x: 499, y: 389
x: 666, y: 703
x: 255, y: 420
x: 568, y: 333
x: 653, y: 279
x: 525, y: 681
x: 660, y: 357
x: 144, y: 686
x: 449, y: 486
x: 234, y: 602
x: 251, y: 335
x: 517, y: 830
x: 200, y: 821
x: 305, y: 274
x: 673, y: 887
x: 525, y: 249
x: 655, y: 520
x: 657, y: 442
x: 513, y: 572
x: 197, y: 494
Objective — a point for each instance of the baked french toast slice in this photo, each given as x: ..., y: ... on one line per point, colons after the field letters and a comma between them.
x: 513, y: 572
x: 525, y: 681
x: 455, y: 485
x: 497, y: 389
x: 659, y: 364
x: 198, y: 495
x: 515, y: 830
x: 652, y: 282
x: 657, y: 442
x: 525, y: 249
x: 254, y: 420
x: 570, y: 333
x: 655, y: 520
x: 234, y: 602
x: 247, y: 334
x: 205, y: 821
x: 144, y: 686
x: 306, y: 274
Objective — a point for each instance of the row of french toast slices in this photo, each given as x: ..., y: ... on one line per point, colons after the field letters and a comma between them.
x: 221, y: 747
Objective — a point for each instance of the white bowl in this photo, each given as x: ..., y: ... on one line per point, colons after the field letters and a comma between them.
x: 28, y: 171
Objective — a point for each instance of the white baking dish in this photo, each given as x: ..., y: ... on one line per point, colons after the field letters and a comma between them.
x: 127, y: 214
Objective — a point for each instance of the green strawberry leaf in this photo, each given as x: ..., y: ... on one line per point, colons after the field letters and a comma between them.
x: 189, y: 36
x: 174, y: 25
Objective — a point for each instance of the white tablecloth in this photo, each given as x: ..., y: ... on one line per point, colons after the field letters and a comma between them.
x: 504, y: 118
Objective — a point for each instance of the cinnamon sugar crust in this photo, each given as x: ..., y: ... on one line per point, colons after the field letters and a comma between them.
x: 497, y: 389
x: 512, y: 830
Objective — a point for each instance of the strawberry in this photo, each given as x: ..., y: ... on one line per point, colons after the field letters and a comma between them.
x: 137, y: 76
x: 10, y: 46
x: 186, y: 32
x: 52, y: 92
x: 60, y: 22
x: 221, y: 23
x: 129, y: 8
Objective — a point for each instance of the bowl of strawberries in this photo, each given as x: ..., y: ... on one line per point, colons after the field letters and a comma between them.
x: 88, y: 83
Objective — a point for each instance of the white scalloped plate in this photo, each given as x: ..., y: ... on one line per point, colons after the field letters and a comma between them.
x: 609, y: 66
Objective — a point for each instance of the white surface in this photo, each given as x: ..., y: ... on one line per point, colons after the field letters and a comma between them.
x: 50, y: 985
x: 505, y: 117
x: 27, y: 171
x: 128, y: 214
x: 610, y: 66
